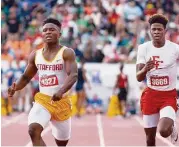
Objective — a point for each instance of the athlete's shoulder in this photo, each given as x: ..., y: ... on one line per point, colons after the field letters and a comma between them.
x: 68, y: 50
x: 172, y: 43
x: 145, y: 45
x: 38, y: 51
x: 32, y: 56
x: 33, y: 53
x: 68, y: 53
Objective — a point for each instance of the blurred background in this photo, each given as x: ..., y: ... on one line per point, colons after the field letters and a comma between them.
x: 103, y: 34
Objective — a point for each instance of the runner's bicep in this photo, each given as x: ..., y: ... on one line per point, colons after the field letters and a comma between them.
x: 70, y: 62
x: 31, y: 68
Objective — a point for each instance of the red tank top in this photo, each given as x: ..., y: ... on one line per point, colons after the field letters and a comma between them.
x: 122, y: 81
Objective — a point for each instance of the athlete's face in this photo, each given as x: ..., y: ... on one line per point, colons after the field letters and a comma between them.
x: 50, y: 33
x: 157, y: 31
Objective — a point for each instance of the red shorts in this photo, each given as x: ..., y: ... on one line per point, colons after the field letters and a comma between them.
x: 152, y: 101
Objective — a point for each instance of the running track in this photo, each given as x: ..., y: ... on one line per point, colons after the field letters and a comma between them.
x: 90, y: 130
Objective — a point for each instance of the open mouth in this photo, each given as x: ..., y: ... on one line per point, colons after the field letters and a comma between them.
x: 48, y: 37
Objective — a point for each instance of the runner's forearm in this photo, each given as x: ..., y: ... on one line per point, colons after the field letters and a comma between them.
x: 22, y: 82
x: 71, y: 79
x: 141, y: 74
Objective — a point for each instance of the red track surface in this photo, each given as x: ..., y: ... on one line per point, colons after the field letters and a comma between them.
x: 89, y: 130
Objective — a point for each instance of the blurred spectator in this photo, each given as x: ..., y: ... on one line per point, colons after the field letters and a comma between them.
x: 16, y: 71
x: 150, y: 8
x: 78, y: 53
x: 4, y: 94
x: 13, y: 25
x: 6, y: 55
x: 96, y: 16
x: 98, y: 56
x: 3, y: 28
x: 94, y: 105
x: 25, y: 14
x: 131, y: 10
x: 113, y: 18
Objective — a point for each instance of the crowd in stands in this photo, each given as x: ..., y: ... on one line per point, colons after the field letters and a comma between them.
x: 98, y: 30
x: 103, y: 30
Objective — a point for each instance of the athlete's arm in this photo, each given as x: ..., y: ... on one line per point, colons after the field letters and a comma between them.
x: 72, y: 72
x: 127, y: 84
x: 116, y: 84
x: 84, y: 75
x: 142, y: 66
x: 28, y: 74
x: 142, y: 69
x: 85, y: 78
x: 141, y: 72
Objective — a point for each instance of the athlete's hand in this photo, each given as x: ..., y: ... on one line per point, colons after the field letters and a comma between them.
x: 149, y: 65
x: 56, y: 97
x: 12, y: 90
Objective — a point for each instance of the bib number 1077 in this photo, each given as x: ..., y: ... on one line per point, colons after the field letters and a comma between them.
x: 159, y: 81
x: 46, y: 81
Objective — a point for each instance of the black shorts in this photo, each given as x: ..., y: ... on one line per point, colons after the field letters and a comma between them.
x: 79, y: 86
x: 122, y: 95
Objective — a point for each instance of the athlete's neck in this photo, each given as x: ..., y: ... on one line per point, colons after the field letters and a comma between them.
x: 50, y: 47
x: 159, y: 44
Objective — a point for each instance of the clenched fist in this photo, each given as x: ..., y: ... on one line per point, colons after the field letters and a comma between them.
x: 149, y: 65
x: 56, y: 97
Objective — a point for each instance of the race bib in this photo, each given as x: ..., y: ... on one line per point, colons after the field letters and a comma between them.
x: 159, y: 81
x: 46, y: 81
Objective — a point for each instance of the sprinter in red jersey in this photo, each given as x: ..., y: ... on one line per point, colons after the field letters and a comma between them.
x: 122, y: 86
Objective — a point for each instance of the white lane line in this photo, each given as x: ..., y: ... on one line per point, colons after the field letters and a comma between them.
x: 140, y: 121
x: 43, y: 133
x: 13, y: 120
x: 100, y: 130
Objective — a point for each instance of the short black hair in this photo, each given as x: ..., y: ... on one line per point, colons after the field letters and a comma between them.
x: 52, y: 20
x: 158, y: 18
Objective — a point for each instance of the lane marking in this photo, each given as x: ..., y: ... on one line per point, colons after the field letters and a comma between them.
x: 140, y: 121
x: 13, y: 120
x: 43, y: 133
x: 100, y: 130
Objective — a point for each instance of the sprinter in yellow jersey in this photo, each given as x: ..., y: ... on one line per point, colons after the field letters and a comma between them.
x: 57, y: 71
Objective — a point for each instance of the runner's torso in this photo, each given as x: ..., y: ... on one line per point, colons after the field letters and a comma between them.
x: 163, y: 76
x: 52, y: 74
